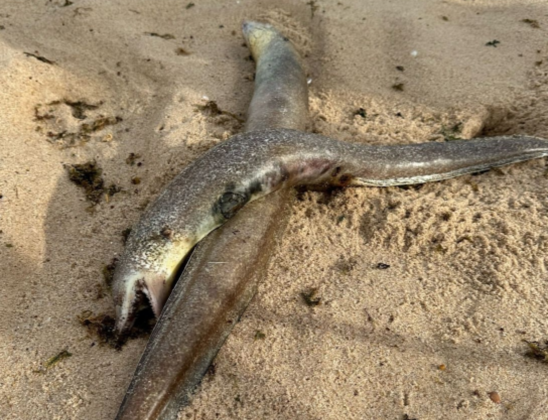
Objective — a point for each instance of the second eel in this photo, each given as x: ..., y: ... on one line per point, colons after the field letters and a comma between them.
x: 203, y: 309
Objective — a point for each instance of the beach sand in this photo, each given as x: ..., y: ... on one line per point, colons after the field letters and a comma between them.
x: 437, y: 334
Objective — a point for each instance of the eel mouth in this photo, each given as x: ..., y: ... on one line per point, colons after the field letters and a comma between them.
x: 250, y: 26
x: 257, y: 35
x: 140, y: 286
x: 135, y: 286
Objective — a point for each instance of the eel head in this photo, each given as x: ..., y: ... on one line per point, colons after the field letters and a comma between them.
x: 258, y: 36
x: 147, y: 278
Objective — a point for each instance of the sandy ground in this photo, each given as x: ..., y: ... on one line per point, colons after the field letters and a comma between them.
x: 432, y: 336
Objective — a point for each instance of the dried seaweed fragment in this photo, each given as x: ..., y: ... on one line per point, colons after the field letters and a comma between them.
x: 132, y: 158
x: 537, y: 350
x: 125, y: 234
x: 39, y: 58
x: 59, y: 130
x: 40, y: 114
x: 52, y: 361
x: 79, y: 108
x: 533, y: 23
x: 101, y: 327
x: 451, y: 133
x: 108, y: 271
x: 181, y: 51
x: 88, y: 176
x: 212, y: 109
x: 163, y: 36
x: 310, y: 297
x: 99, y: 124
x: 313, y: 7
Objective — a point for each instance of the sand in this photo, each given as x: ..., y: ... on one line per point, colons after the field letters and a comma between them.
x: 432, y: 336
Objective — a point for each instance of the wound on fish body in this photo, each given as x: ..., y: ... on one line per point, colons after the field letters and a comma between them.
x: 229, y: 203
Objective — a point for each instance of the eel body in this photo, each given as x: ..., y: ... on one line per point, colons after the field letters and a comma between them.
x: 225, y: 268
x: 213, y: 189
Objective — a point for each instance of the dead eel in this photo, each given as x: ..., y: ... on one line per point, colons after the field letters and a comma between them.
x: 228, y: 177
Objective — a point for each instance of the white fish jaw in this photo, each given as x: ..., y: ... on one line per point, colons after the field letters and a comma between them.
x: 136, y: 285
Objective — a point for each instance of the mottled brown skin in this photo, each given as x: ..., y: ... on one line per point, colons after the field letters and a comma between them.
x: 213, y: 189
